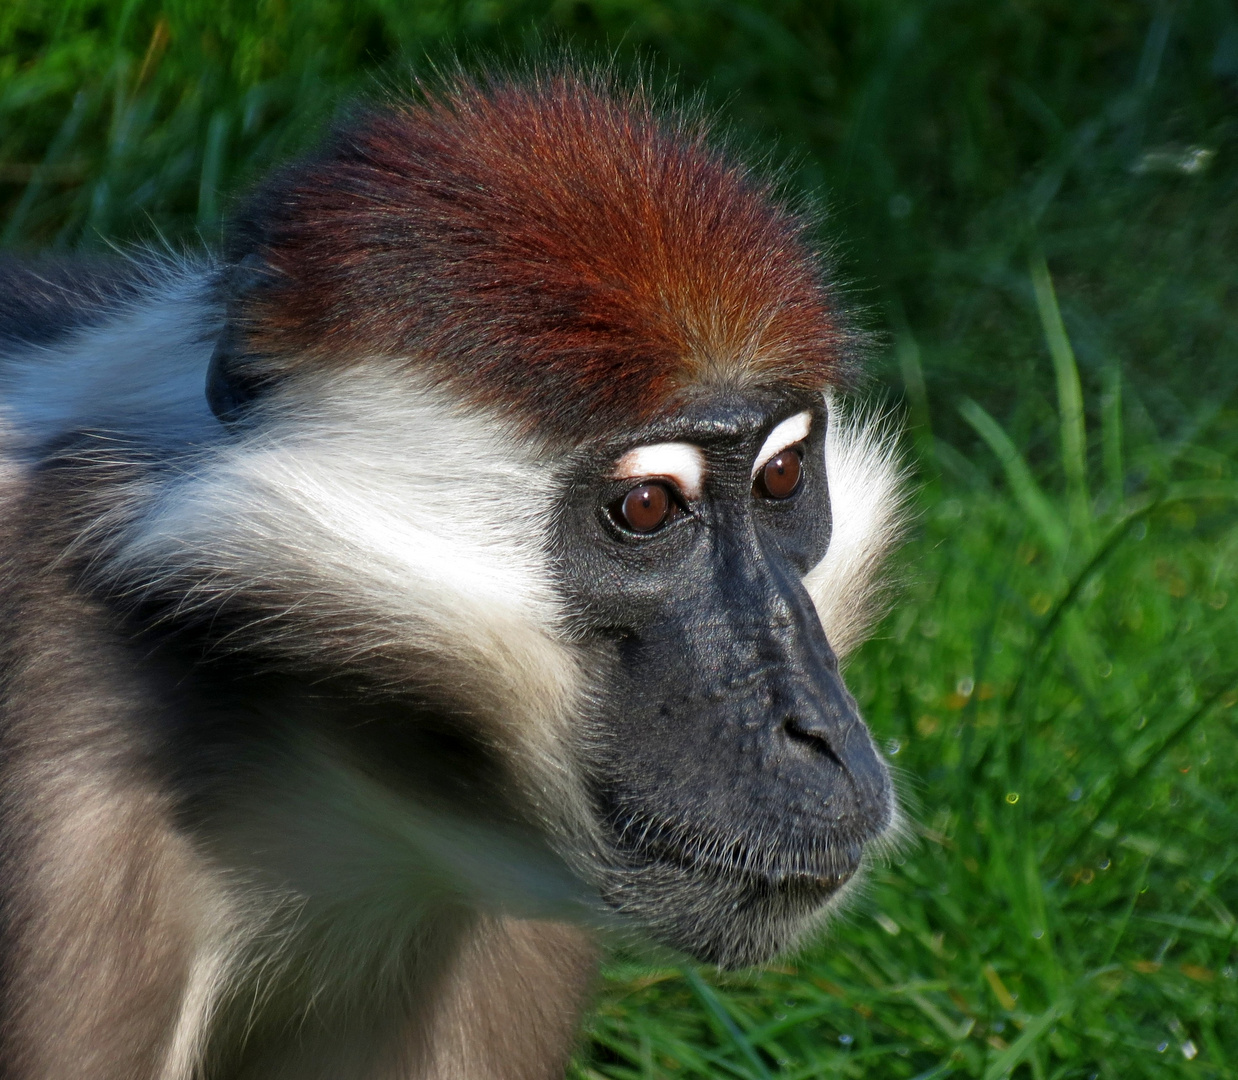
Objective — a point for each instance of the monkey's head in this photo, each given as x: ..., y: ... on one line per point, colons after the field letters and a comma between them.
x: 736, y: 780
x: 550, y: 381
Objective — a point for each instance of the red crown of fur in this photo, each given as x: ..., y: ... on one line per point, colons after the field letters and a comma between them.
x: 553, y: 245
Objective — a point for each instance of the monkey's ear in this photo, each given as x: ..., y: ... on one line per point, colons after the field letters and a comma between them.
x: 236, y: 377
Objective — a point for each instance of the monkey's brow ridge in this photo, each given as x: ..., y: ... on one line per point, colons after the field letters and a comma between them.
x: 787, y: 433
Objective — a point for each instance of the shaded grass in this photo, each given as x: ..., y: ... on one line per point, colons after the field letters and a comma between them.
x: 1015, y: 191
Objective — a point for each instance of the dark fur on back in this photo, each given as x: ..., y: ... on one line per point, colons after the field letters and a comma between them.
x: 43, y: 300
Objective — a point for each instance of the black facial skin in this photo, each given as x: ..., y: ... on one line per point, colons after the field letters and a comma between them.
x: 736, y: 779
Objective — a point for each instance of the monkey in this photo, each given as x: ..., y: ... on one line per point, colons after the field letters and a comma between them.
x: 449, y: 575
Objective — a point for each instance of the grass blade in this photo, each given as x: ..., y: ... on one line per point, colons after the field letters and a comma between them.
x: 1021, y: 1047
x: 60, y: 145
x: 1111, y: 433
x: 907, y: 350
x: 1128, y: 783
x: 1139, y: 509
x: 1069, y: 396
x: 705, y: 994
x: 1031, y: 498
x: 212, y: 171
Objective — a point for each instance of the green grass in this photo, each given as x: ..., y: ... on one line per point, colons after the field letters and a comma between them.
x: 1038, y: 202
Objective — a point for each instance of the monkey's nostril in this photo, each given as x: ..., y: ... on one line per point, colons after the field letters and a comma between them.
x: 811, y: 735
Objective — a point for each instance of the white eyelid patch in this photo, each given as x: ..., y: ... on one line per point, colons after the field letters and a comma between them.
x: 678, y: 461
x: 792, y: 430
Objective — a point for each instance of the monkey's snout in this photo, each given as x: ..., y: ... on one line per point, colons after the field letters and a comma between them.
x: 834, y: 748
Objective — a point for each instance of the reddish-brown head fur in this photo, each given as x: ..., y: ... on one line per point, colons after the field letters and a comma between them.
x: 552, y: 245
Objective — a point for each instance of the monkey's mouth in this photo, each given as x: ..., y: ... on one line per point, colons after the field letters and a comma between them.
x: 779, y: 871
x: 725, y: 903
x: 824, y: 863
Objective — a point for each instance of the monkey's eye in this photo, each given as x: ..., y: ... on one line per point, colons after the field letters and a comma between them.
x: 779, y: 478
x: 646, y: 508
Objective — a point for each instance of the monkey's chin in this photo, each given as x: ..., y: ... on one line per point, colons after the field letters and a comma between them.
x: 729, y: 918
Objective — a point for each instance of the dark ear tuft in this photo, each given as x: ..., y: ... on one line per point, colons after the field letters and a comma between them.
x: 230, y: 388
x: 235, y: 377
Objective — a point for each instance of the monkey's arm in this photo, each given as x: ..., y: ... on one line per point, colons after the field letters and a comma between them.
x: 104, y: 901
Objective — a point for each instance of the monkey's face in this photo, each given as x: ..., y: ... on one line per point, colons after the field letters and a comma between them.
x: 735, y: 780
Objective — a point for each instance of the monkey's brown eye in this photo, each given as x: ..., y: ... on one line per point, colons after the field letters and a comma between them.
x: 779, y: 478
x: 646, y: 508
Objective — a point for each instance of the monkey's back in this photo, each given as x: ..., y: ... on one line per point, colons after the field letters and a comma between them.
x: 43, y: 300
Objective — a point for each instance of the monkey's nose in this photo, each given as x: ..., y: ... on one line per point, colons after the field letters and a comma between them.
x: 819, y: 736
x: 829, y: 729
x: 819, y: 713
